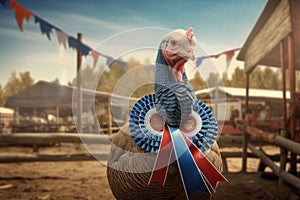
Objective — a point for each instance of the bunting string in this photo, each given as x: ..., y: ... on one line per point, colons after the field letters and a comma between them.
x: 66, y: 40
x: 229, y: 55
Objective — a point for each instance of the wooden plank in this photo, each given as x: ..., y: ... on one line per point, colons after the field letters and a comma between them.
x: 287, y: 144
x: 287, y: 177
x: 263, y: 135
x: 109, y: 115
x: 48, y: 138
x: 277, y: 27
x: 15, y: 158
x: 79, y: 85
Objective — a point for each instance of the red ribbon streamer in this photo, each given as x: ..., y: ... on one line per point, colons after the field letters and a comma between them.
x: 159, y: 173
x: 211, y: 174
x: 161, y: 165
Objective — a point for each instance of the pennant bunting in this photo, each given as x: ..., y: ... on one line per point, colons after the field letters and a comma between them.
x: 109, y: 61
x: 20, y: 13
x: 85, y: 50
x: 3, y: 2
x: 61, y: 37
x: 73, y: 42
x: 45, y: 27
x: 200, y: 60
x: 229, y: 56
x: 122, y: 64
x: 95, y: 55
x: 216, y: 56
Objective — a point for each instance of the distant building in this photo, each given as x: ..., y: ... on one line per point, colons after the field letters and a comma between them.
x: 6, y: 117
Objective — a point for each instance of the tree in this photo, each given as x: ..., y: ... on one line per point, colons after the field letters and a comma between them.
x: 17, y: 84
x: 198, y: 83
x: 226, y: 80
x: 2, y: 96
x: 213, y: 80
x: 238, y: 78
x: 56, y: 81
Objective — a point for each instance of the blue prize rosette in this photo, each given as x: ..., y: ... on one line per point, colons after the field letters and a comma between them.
x: 146, y: 130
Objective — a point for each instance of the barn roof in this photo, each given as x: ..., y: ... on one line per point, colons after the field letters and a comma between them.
x: 278, y: 19
x: 241, y: 93
x: 47, y: 94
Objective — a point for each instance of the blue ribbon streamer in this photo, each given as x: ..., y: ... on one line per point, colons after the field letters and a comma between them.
x: 190, y: 174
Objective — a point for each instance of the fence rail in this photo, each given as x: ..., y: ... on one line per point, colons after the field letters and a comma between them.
x: 282, y: 142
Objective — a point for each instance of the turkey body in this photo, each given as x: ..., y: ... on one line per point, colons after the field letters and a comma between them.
x: 125, y: 183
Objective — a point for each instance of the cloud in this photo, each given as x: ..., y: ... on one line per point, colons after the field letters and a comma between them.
x: 15, y: 33
x: 89, y: 21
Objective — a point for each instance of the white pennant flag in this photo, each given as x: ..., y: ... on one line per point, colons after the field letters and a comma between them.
x: 62, y: 38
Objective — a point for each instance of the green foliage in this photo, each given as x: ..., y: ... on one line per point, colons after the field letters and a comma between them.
x: 198, y: 83
x: 238, y: 78
x: 261, y: 78
x: 2, y: 96
x: 226, y: 80
x: 212, y: 79
x: 16, y: 83
x: 56, y: 81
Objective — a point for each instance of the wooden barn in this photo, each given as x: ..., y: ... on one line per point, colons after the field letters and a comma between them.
x: 274, y: 41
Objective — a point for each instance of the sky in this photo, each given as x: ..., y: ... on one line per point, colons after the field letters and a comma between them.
x: 114, y: 28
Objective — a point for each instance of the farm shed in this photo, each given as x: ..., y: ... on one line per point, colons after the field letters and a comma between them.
x: 58, y: 97
x: 274, y: 41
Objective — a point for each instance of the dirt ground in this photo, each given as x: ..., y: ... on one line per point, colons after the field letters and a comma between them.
x: 87, y: 179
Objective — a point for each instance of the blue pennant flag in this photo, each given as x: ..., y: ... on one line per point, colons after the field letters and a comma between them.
x: 122, y: 64
x: 73, y: 42
x: 3, y: 2
x: 109, y: 61
x: 85, y: 50
x: 45, y: 27
x: 200, y: 60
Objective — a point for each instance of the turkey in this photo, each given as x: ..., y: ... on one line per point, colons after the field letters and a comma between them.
x: 135, y: 148
x: 173, y: 93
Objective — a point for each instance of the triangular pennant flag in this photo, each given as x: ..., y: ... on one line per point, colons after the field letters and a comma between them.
x: 73, y: 42
x: 85, y: 50
x: 95, y: 56
x: 216, y: 56
x: 20, y: 13
x: 122, y: 64
x: 62, y: 37
x: 200, y: 60
x: 229, y: 56
x: 45, y: 27
x: 3, y: 2
x: 109, y: 61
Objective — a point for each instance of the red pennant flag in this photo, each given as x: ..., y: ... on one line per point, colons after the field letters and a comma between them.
x: 95, y: 56
x: 216, y: 56
x: 20, y: 13
x: 229, y: 56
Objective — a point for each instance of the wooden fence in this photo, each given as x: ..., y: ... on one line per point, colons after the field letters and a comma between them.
x: 275, y: 139
x: 36, y: 139
x: 51, y: 138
